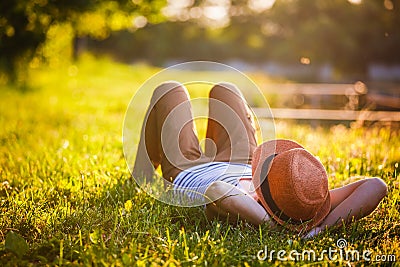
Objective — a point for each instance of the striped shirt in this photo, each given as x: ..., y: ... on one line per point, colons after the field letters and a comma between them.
x: 191, y: 184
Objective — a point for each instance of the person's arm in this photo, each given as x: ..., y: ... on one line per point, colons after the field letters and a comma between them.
x: 232, y: 203
x: 355, y: 200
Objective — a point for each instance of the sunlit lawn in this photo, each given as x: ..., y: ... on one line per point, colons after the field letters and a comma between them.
x: 66, y: 190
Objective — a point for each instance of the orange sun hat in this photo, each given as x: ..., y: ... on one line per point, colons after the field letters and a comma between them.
x: 291, y: 184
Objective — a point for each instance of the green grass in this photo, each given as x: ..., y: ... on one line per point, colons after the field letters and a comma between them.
x: 66, y: 190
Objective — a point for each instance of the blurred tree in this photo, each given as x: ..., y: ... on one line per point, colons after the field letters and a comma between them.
x: 25, y: 23
x: 350, y: 35
x: 346, y: 34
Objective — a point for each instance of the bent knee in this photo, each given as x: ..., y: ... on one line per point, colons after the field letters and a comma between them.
x: 167, y: 87
x: 219, y: 90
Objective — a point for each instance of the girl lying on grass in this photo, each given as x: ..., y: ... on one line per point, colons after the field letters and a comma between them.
x: 278, y: 182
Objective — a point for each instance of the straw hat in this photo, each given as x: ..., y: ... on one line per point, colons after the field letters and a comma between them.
x: 291, y: 184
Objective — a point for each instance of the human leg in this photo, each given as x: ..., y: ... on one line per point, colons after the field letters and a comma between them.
x: 230, y: 126
x: 168, y: 134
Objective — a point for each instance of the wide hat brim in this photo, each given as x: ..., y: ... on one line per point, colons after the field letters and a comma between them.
x: 267, y: 151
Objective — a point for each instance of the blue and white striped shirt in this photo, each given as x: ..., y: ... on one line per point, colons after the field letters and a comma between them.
x: 193, y: 182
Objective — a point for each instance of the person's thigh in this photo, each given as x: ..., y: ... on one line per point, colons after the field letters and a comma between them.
x: 169, y: 134
x: 230, y: 131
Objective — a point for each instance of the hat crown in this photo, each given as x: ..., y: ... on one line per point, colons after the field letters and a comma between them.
x: 296, y: 183
x: 309, y: 177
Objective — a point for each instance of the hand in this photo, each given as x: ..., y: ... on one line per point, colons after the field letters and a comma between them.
x: 268, y: 220
x: 314, y: 231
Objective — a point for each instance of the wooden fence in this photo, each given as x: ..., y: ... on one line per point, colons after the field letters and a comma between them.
x: 309, y: 101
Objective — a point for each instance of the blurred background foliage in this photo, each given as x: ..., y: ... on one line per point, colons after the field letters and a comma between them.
x: 46, y: 31
x: 345, y: 35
